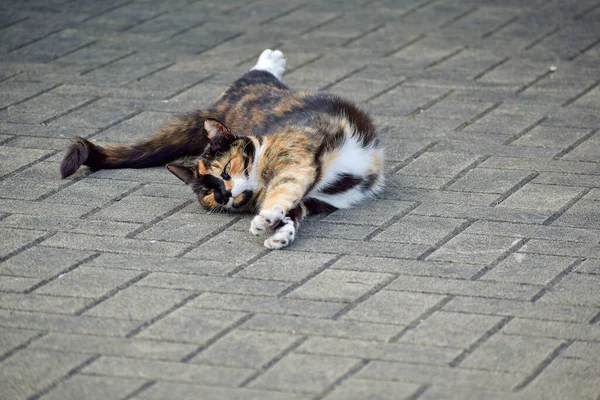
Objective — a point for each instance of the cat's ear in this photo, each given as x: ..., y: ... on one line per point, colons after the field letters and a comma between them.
x: 214, y: 129
x: 220, y: 137
x: 183, y: 172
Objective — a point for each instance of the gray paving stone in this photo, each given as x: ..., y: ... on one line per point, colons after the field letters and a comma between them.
x: 304, y: 373
x: 29, y: 371
x: 93, y: 387
x: 444, y: 197
x: 130, y: 209
x: 442, y: 393
x: 179, y: 390
x: 17, y: 283
x: 474, y: 249
x: 184, y: 227
x: 229, y: 247
x: 340, y: 285
x: 582, y: 350
x: 52, y: 224
x: 342, y: 231
x: 113, y: 244
x: 264, y: 304
x: 575, y: 289
x: 549, y: 178
x: 134, y: 348
x: 393, y: 307
x: 546, y: 136
x: 528, y: 269
x: 12, y: 338
x: 533, y: 231
x: 438, y: 164
x: 488, y: 181
x: 43, y: 208
x: 590, y: 267
x: 42, y: 262
x: 356, y: 389
x: 523, y: 309
x: 419, y: 230
x: 174, y: 371
x: 11, y: 158
x: 133, y: 129
x: 421, y: 284
x: 378, y: 351
x: 568, y: 379
x: 406, y: 267
x: 356, y: 247
x: 375, y: 214
x: 573, y: 249
x: 448, y: 329
x: 191, y: 325
x: 15, y: 239
x: 245, y: 349
x: 541, y: 197
x: 138, y: 303
x: 286, y: 267
x: 48, y: 304
x: 551, y: 329
x: 511, y: 353
x: 88, y: 282
x: 444, y: 376
x: 214, y: 284
x: 483, y: 213
x: 161, y: 264
x: 583, y: 214
x: 321, y: 327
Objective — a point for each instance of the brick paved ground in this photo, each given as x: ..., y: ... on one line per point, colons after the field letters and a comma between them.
x: 475, y: 276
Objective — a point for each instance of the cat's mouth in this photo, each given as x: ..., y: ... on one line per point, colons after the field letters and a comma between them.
x: 242, y: 199
x: 238, y: 203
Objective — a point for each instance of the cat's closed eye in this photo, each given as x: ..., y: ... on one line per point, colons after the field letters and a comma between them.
x: 225, y: 174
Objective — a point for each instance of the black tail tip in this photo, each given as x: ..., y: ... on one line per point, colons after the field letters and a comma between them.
x: 77, y: 154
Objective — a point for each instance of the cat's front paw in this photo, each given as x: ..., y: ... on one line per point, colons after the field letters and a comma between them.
x: 283, y: 236
x: 267, y: 220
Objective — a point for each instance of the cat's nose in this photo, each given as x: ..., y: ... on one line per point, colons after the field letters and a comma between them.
x: 222, y: 196
x: 226, y: 197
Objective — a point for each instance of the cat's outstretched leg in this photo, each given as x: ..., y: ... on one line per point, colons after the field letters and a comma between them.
x: 280, y: 221
x: 271, y: 61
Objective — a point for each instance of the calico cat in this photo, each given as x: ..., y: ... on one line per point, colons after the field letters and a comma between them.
x: 260, y: 148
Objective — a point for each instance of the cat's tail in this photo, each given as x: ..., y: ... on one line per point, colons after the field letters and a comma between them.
x: 184, y: 136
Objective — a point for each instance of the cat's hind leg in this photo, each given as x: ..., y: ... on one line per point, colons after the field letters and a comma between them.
x: 272, y: 61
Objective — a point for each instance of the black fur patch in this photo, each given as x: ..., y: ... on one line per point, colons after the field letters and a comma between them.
x: 314, y: 206
x: 368, y: 182
x: 343, y: 183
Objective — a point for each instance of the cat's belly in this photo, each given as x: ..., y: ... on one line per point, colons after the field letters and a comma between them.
x: 350, y: 175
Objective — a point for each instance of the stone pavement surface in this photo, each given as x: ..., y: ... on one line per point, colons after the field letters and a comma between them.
x: 476, y: 275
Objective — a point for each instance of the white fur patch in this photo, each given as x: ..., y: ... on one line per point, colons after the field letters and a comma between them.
x: 271, y: 61
x: 282, y: 236
x: 267, y: 220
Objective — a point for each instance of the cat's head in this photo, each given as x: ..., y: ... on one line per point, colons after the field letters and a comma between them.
x: 222, y: 176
